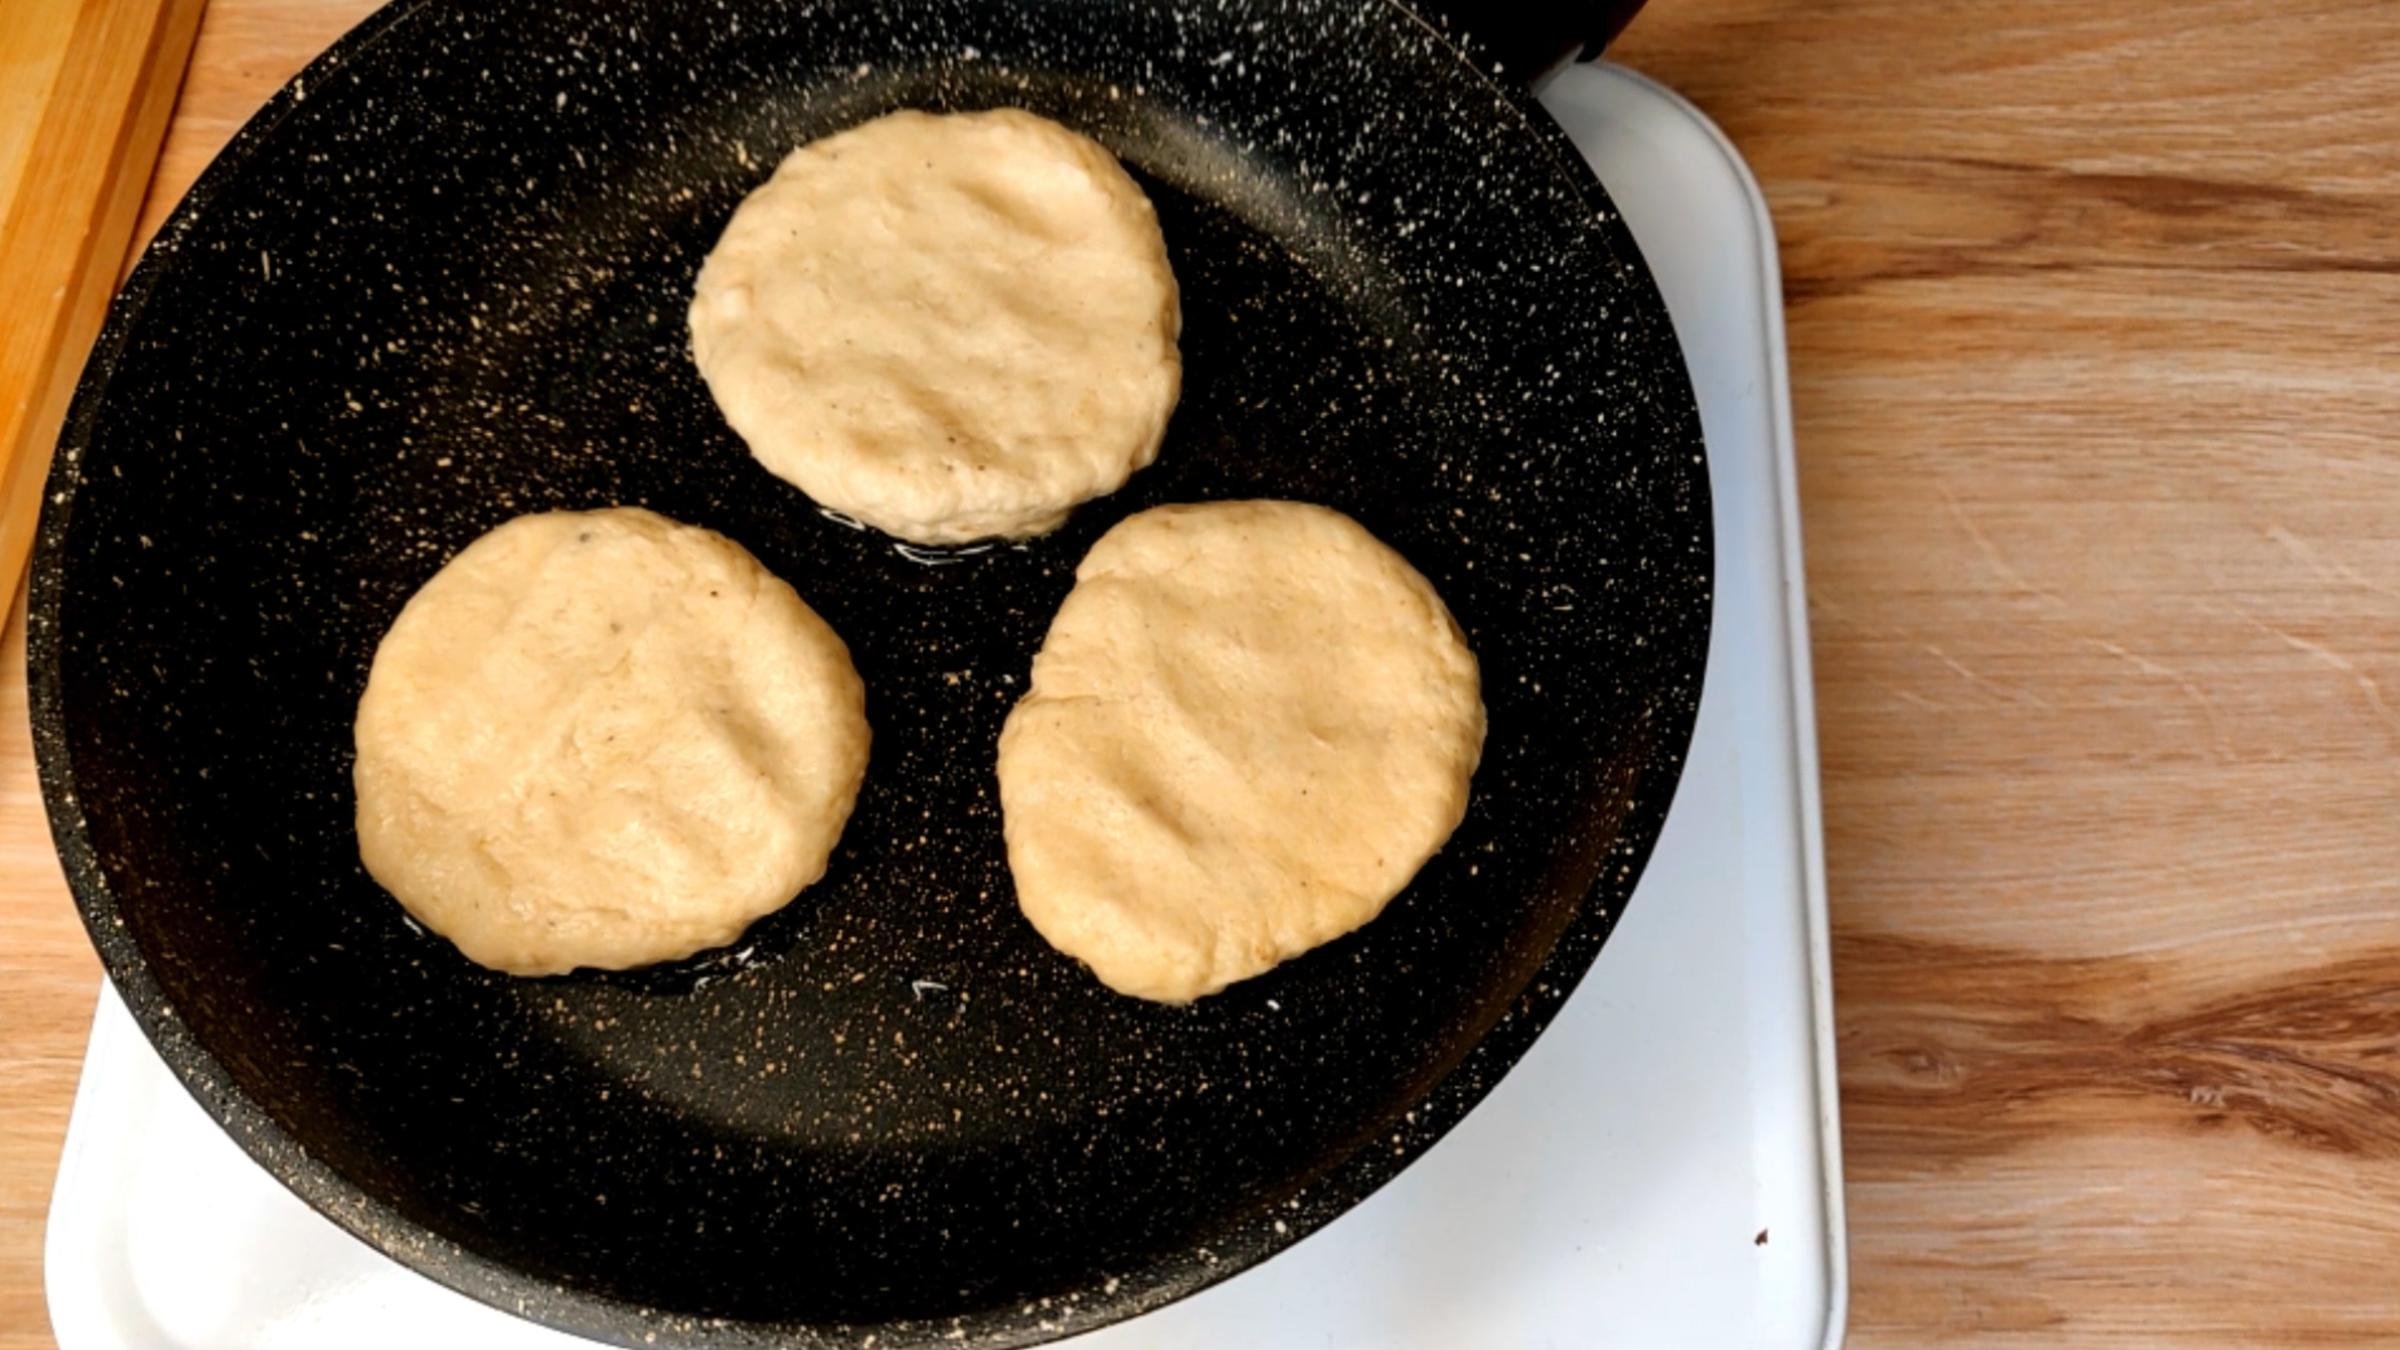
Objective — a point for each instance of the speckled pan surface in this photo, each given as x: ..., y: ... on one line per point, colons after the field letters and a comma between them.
x: 440, y: 281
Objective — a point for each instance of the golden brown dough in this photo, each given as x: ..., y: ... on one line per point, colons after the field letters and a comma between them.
x: 604, y: 739
x: 1250, y: 724
x: 949, y: 327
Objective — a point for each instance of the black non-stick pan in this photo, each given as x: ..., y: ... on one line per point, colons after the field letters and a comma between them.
x: 440, y: 281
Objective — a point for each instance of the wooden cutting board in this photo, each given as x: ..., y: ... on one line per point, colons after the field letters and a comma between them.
x: 85, y: 90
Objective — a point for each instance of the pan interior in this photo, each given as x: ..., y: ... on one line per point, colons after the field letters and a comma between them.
x: 442, y: 283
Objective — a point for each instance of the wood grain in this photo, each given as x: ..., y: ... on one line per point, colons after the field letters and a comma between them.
x: 2095, y: 333
x: 33, y: 45
x: 90, y: 84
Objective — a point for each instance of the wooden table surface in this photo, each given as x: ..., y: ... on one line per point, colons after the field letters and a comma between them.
x: 2095, y: 343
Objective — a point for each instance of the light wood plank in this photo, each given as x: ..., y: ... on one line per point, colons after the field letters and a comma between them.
x: 33, y: 43
x: 75, y: 186
x: 2095, y: 332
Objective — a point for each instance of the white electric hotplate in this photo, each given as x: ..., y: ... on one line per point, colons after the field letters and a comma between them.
x: 1662, y: 1168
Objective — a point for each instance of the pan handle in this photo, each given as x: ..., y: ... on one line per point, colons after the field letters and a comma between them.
x: 1535, y: 39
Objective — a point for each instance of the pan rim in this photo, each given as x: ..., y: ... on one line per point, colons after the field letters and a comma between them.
x: 1494, y: 1049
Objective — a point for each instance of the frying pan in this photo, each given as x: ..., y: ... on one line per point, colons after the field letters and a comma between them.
x: 439, y: 281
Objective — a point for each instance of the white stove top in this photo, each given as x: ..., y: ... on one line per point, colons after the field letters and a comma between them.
x: 1661, y: 1169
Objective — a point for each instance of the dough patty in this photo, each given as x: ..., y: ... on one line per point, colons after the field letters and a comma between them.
x: 1250, y: 724
x: 949, y: 327
x: 604, y: 739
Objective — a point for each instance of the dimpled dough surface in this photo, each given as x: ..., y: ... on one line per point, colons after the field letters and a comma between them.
x: 948, y: 326
x: 604, y: 739
x: 1250, y: 724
